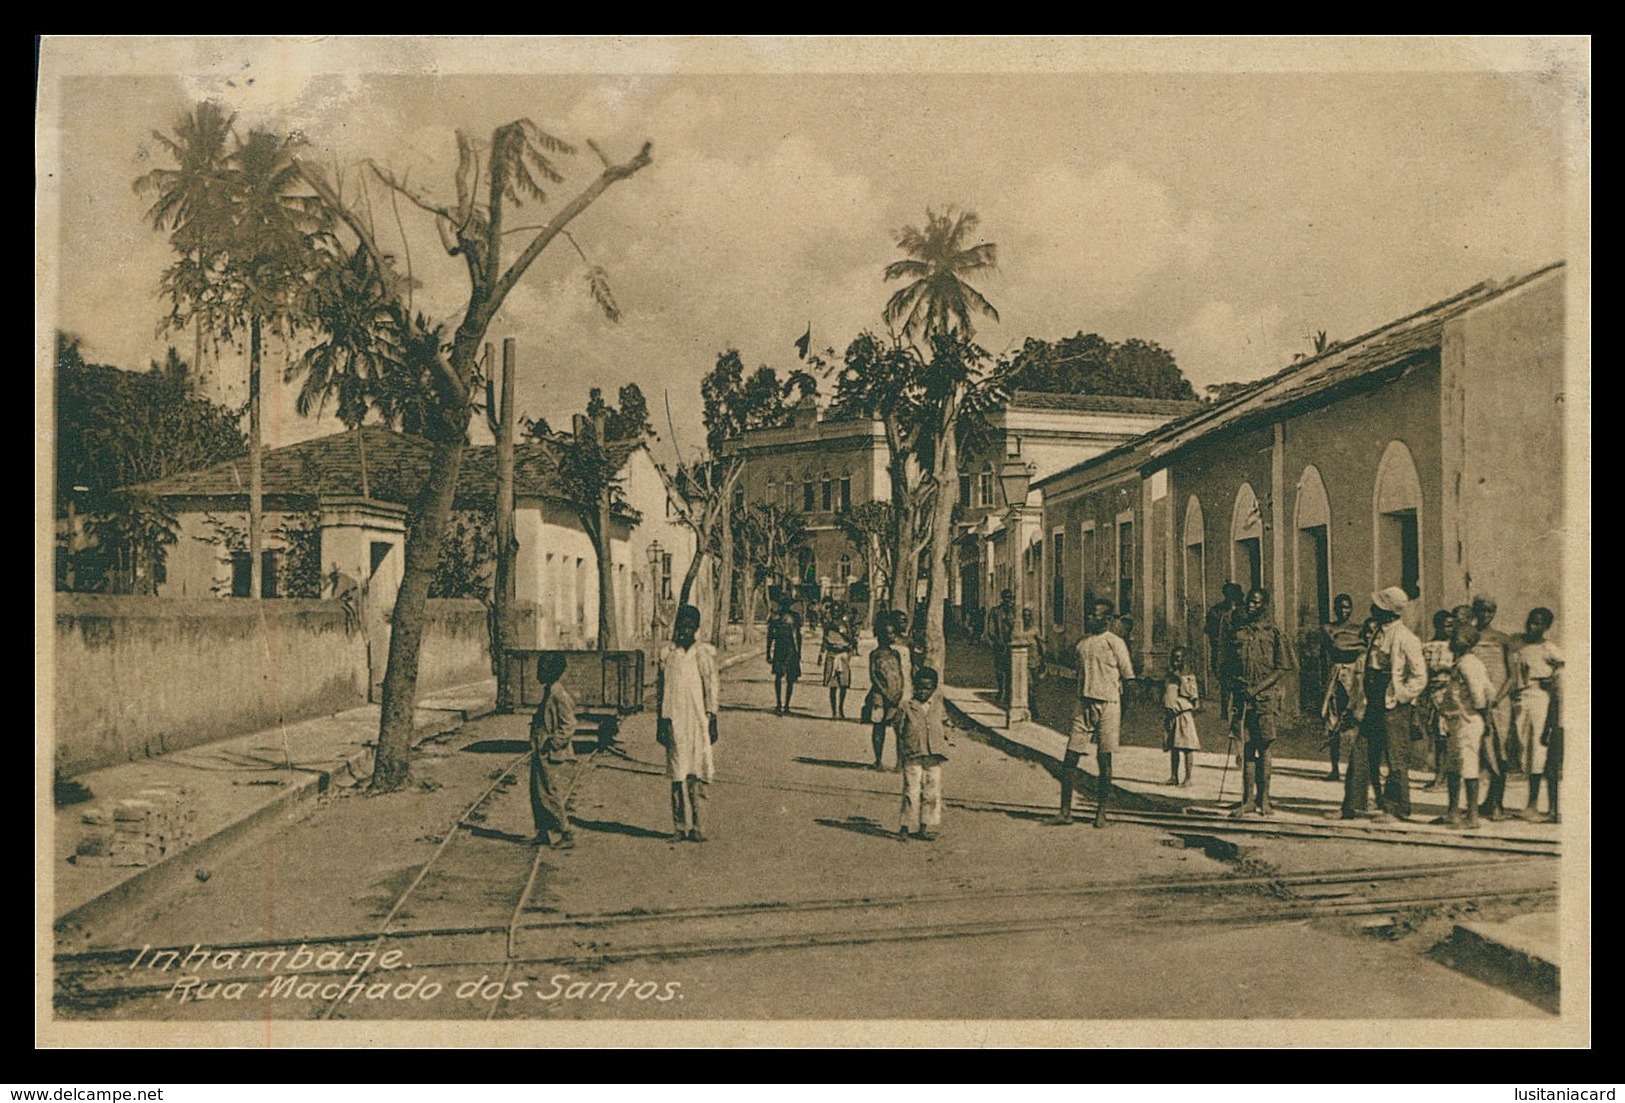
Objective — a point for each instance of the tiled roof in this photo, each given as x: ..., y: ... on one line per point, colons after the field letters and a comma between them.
x: 1103, y: 403
x: 1351, y: 363
x: 397, y: 465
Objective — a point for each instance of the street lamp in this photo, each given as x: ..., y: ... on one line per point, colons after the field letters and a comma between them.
x: 1015, y: 477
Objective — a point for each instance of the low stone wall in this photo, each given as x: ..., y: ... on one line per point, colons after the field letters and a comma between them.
x: 139, y: 676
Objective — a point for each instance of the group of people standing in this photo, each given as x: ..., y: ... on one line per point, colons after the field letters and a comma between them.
x: 1484, y: 703
x: 1481, y: 701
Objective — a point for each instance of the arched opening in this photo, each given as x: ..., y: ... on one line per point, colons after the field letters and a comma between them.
x: 1312, y: 518
x: 1312, y: 575
x: 1194, y: 574
x: 1247, y: 540
x: 1396, y: 508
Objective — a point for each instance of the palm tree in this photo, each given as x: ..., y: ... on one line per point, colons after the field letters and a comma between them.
x: 190, y: 204
x: 938, y: 301
x: 246, y: 238
x: 270, y: 252
x: 935, y: 310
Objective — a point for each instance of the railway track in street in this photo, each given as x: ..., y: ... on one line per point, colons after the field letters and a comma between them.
x: 512, y: 943
x: 106, y: 978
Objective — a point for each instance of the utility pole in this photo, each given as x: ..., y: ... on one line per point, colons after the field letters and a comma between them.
x: 500, y: 420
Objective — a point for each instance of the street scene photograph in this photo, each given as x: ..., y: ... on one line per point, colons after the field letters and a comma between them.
x: 813, y: 541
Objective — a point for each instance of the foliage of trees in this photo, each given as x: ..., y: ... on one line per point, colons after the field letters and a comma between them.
x: 1087, y: 363
x: 115, y: 429
x: 927, y: 385
x: 247, y: 235
x: 735, y: 402
x: 467, y: 560
x: 589, y: 462
x: 371, y: 348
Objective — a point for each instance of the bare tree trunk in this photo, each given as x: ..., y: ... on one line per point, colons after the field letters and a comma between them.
x: 256, y: 476
x: 725, y: 584
x: 609, y: 636
x: 874, y: 574
x: 906, y: 562
x: 942, y: 528
x: 507, y: 539
x: 693, y: 574
x: 426, y: 524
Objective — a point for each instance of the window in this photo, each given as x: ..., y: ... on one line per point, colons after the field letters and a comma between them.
x: 1398, y: 507
x: 984, y: 488
x: 846, y: 568
x: 964, y: 491
x: 1247, y: 539
x: 242, y: 581
x: 809, y: 496
x: 772, y: 492
x: 1125, y: 568
x: 739, y: 500
x: 1058, y: 576
x: 828, y: 494
x: 846, y: 494
x: 665, y: 576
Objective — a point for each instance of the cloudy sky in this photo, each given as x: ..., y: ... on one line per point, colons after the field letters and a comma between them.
x: 1223, y: 199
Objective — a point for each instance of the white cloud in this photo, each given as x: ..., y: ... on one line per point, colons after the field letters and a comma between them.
x: 1082, y: 244
x: 1222, y: 343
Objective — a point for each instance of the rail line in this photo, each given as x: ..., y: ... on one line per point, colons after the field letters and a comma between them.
x: 680, y: 932
x: 462, y: 820
x: 1213, y: 821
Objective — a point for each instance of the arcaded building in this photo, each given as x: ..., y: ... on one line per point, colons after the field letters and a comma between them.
x: 1428, y: 453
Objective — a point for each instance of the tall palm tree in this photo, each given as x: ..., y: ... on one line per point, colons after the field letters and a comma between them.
x: 269, y: 255
x: 190, y: 204
x: 938, y: 300
x: 935, y: 310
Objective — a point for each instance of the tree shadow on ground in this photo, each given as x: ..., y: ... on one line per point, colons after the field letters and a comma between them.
x: 492, y: 833
x: 862, y: 825
x: 612, y: 827
x: 498, y: 746
x: 834, y: 763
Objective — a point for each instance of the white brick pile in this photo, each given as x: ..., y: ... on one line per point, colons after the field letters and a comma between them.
x: 138, y: 831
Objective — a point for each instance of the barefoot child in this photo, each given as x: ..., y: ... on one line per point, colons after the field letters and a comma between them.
x: 1467, y: 695
x: 552, y: 753
x: 1180, y: 700
x: 1535, y: 667
x: 922, y: 744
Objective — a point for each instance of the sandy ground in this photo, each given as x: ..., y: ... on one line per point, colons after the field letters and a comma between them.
x: 794, y: 817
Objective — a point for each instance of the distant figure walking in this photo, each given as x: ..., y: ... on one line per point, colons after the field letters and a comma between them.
x: 887, y: 686
x: 1001, y: 630
x: 840, y: 640
x: 784, y: 654
x: 686, y: 724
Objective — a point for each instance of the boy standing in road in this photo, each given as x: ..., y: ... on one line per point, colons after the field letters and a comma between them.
x: 1103, y: 666
x: 552, y: 754
x: 922, y: 744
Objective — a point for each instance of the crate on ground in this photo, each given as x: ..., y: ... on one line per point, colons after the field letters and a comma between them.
x: 610, y: 682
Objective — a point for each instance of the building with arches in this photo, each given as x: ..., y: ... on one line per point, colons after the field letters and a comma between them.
x: 1428, y: 454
